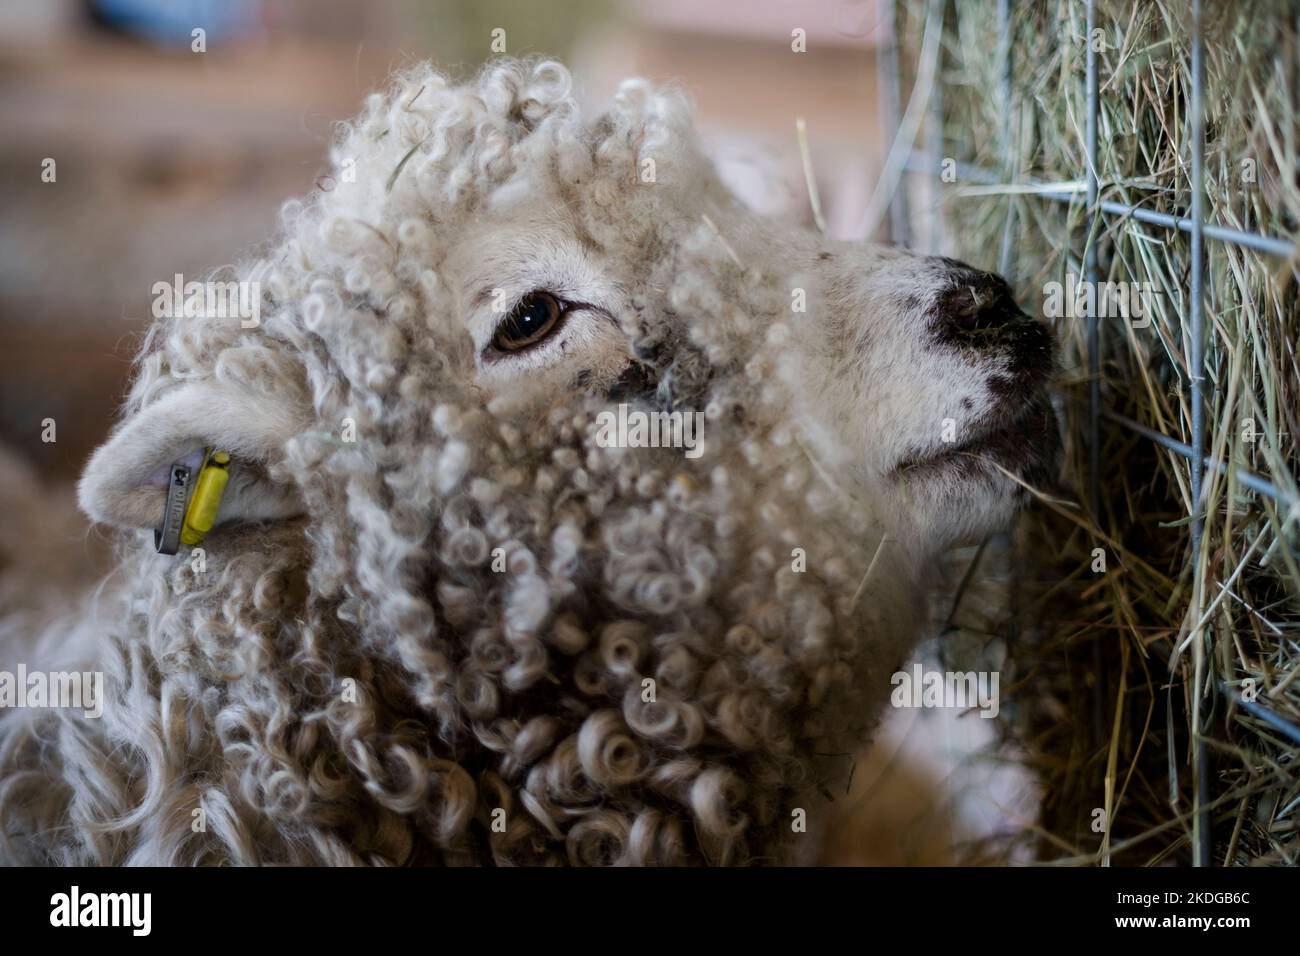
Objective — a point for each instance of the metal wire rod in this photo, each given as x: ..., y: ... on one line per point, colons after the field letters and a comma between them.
x: 891, y: 109
x: 1271, y: 245
x: 1090, y: 274
x: 1248, y: 478
x: 1278, y: 723
x: 1093, y: 339
x: 934, y: 141
x: 1203, y: 841
x: 1008, y: 153
x: 1268, y: 244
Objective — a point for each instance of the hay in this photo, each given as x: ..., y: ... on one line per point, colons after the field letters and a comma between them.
x: 1099, y: 684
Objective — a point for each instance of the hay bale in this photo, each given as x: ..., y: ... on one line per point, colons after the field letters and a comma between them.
x: 1101, y: 678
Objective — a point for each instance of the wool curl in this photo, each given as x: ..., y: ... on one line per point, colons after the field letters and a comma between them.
x: 647, y: 682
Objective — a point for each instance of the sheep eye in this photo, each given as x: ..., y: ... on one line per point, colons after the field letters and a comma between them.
x: 532, y: 320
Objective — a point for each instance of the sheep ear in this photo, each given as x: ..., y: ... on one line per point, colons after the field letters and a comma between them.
x: 125, y: 482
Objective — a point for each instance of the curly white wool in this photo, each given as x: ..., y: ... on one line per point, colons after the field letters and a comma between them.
x: 360, y: 685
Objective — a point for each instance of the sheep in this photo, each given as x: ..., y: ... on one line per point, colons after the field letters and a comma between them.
x: 438, y: 621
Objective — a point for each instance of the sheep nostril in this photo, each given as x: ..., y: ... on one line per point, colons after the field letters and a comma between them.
x: 976, y: 307
x: 976, y: 312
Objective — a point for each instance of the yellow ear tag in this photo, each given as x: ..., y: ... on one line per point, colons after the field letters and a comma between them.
x: 206, y: 499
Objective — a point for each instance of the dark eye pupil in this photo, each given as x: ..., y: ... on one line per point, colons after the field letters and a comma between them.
x: 534, y: 315
x: 531, y: 321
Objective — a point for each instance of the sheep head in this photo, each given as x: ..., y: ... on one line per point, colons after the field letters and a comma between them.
x: 639, y: 653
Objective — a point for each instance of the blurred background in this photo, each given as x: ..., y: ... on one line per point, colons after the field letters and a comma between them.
x: 173, y: 152
x: 171, y: 160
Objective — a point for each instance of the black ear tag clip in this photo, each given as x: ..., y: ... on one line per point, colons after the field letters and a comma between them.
x: 167, y: 538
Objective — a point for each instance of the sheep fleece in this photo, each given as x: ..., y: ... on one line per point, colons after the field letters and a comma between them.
x: 482, y: 637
